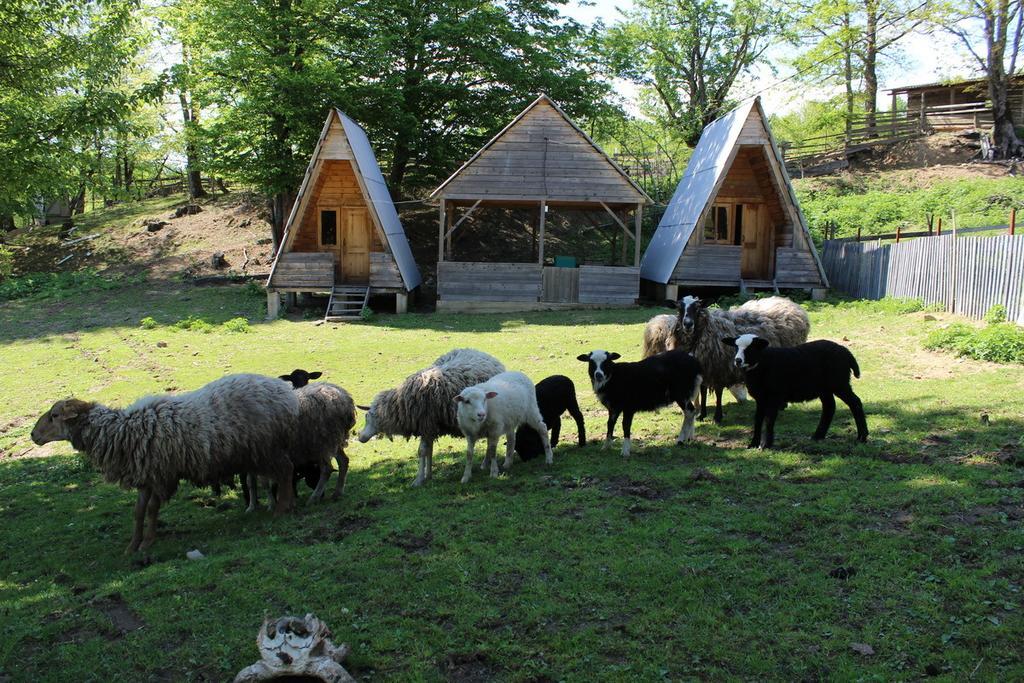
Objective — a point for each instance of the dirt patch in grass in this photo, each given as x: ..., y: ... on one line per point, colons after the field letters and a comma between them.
x: 121, y: 616
x: 646, y: 489
x: 470, y: 667
x: 412, y: 543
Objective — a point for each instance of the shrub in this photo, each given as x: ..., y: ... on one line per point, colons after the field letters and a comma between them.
x: 237, y: 325
x: 57, y: 285
x: 996, y: 314
x: 194, y: 324
x: 6, y: 262
x: 366, y: 313
x: 147, y: 323
x: 998, y: 342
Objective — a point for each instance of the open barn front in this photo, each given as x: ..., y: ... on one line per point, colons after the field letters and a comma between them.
x: 548, y: 256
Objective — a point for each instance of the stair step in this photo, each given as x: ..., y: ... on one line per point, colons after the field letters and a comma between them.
x: 346, y: 303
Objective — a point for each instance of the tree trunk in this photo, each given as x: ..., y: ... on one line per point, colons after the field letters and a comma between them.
x: 1004, y: 133
x: 6, y: 222
x: 280, y: 207
x: 870, y: 65
x: 191, y: 117
x: 848, y: 76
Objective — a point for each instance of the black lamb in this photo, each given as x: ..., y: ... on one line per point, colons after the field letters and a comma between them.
x: 777, y: 377
x: 555, y: 395
x: 652, y: 383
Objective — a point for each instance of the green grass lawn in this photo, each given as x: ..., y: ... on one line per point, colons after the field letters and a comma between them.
x: 591, y: 569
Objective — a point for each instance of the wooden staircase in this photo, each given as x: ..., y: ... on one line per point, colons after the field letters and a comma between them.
x: 347, y: 302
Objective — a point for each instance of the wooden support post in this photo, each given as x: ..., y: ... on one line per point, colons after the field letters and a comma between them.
x: 540, y: 231
x: 440, y: 231
x: 638, y: 218
x: 273, y: 304
x: 401, y: 302
x: 1013, y: 220
x: 938, y: 227
x: 858, y: 233
x: 899, y: 229
x: 622, y: 250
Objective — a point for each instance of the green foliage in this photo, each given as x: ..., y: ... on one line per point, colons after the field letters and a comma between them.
x: 6, y: 262
x: 999, y: 342
x: 996, y: 314
x: 195, y: 324
x: 880, y: 208
x: 148, y: 323
x: 686, y: 55
x: 59, y: 285
x: 240, y: 325
x: 813, y: 119
x: 366, y: 314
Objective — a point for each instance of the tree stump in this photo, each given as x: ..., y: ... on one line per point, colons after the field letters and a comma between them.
x: 187, y: 210
x: 297, y: 648
x: 217, y: 260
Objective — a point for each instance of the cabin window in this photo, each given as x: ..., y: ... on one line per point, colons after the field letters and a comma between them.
x: 328, y: 228
x: 717, y: 228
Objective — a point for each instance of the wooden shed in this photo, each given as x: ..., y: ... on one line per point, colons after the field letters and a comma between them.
x: 343, y: 237
x: 541, y: 161
x: 734, y: 220
x: 956, y: 105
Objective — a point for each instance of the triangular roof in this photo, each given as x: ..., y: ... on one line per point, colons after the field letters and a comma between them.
x: 349, y: 141
x: 542, y: 154
x: 696, y: 191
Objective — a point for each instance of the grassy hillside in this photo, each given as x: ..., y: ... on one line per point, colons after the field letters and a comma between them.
x: 879, y: 202
x: 709, y: 561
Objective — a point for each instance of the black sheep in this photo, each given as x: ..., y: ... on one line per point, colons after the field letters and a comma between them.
x: 649, y: 384
x: 555, y: 395
x: 776, y: 377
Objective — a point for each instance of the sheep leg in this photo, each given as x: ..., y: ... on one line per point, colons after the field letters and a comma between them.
x: 252, y: 487
x: 627, y: 425
x: 718, y: 405
x: 686, y: 432
x: 153, y: 513
x: 140, y: 517
x: 703, y: 401
x: 468, y: 473
x: 613, y: 417
x: 271, y: 495
x: 556, y: 431
x: 857, y: 408
x: 755, y: 442
x: 769, y: 429
x: 828, y: 410
x: 424, y: 455
x: 321, y: 484
x: 492, y: 455
x: 339, y: 486
x: 542, y: 429
x: 510, y: 449
x: 285, y: 499
x: 577, y: 415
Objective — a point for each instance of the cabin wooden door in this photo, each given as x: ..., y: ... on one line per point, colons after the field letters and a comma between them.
x: 355, y: 245
x: 758, y: 243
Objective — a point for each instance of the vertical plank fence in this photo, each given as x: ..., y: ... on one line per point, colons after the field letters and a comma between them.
x: 967, y: 275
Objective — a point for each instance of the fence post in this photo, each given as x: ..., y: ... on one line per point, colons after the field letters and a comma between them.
x: 899, y: 229
x: 939, y: 231
x: 1013, y: 220
x: 858, y: 233
x: 953, y: 260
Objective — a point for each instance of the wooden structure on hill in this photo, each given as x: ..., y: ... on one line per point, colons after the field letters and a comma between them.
x: 343, y: 237
x: 544, y: 160
x: 955, y: 105
x: 734, y: 220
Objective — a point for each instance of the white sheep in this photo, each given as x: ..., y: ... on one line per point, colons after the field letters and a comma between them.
x: 423, y: 404
x: 499, y: 407
x: 239, y: 423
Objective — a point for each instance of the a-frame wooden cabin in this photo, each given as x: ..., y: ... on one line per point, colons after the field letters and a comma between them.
x: 343, y: 237
x: 541, y: 159
x: 734, y: 220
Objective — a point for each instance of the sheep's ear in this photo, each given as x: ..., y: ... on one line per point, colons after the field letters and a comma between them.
x: 363, y: 407
x: 70, y: 409
x: 729, y: 341
x: 458, y: 398
x: 614, y: 356
x: 490, y: 394
x: 286, y: 378
x: 315, y: 375
x: 759, y: 343
x: 585, y: 357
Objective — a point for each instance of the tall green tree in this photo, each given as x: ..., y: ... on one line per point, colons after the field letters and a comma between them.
x: 687, y: 54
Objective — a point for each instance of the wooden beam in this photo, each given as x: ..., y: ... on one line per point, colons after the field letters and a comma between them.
x: 618, y: 220
x: 440, y: 231
x: 540, y: 238
x: 638, y: 217
x: 464, y: 217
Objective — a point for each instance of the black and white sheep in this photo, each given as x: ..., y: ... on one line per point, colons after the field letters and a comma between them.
x: 698, y: 330
x: 423, y: 405
x: 239, y: 423
x: 652, y: 383
x: 779, y: 376
x: 555, y: 395
x: 319, y: 434
x: 496, y: 408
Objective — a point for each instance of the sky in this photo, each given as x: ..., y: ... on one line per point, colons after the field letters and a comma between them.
x: 925, y: 59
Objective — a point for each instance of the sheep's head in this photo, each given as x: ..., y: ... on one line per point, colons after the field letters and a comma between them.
x: 55, y: 423
x: 690, y: 308
x: 472, y: 404
x: 300, y: 378
x: 371, y: 428
x: 748, y: 350
x: 600, y: 365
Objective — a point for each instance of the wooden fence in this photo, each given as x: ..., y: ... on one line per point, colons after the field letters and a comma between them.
x: 967, y: 275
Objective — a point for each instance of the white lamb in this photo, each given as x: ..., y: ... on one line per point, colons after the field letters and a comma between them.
x: 499, y: 406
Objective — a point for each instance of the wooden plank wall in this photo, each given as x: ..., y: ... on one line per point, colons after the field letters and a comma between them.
x: 609, y: 284
x: 709, y: 262
x: 462, y: 281
x: 335, y: 187
x: 796, y: 266
x: 561, y: 285
x: 384, y: 271
x: 967, y: 275
x: 308, y: 272
x: 542, y: 155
